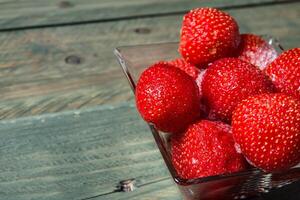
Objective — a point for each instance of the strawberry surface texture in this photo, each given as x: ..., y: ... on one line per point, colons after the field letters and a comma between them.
x: 256, y: 50
x: 206, y: 148
x: 267, y: 129
x: 227, y: 82
x: 188, y: 68
x: 208, y: 34
x: 285, y: 72
x: 167, y: 97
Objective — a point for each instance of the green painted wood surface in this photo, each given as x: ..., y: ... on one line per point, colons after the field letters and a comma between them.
x: 28, y: 13
x: 77, y: 154
x: 35, y: 77
x: 74, y: 155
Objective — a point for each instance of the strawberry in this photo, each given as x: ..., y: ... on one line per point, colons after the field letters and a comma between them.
x: 228, y: 81
x: 208, y: 34
x: 256, y: 50
x: 186, y: 67
x: 267, y: 129
x: 285, y: 72
x: 194, y: 72
x: 206, y: 148
x: 167, y: 97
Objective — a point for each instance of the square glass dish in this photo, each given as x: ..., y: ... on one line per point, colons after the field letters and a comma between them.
x: 241, y: 185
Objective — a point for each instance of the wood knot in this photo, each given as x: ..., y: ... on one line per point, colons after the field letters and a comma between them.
x: 65, y: 4
x: 127, y: 185
x: 73, y: 60
x: 142, y: 30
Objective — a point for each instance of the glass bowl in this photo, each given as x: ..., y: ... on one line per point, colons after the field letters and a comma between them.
x: 240, y: 185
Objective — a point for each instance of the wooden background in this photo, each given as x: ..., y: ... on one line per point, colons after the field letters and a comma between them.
x: 68, y: 128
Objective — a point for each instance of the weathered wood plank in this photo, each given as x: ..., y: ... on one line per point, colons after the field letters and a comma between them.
x: 82, y: 155
x: 35, y: 77
x: 28, y: 13
x: 74, y: 155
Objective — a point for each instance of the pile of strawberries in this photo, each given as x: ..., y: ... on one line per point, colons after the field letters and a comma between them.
x: 230, y: 102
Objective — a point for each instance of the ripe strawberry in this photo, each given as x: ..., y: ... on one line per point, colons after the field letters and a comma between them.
x: 208, y: 34
x: 267, y: 129
x: 285, y: 72
x: 186, y: 67
x: 205, y: 149
x: 256, y: 50
x: 228, y: 81
x: 167, y: 97
x: 194, y: 72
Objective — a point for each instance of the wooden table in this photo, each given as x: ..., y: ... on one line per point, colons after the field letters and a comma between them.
x: 69, y: 128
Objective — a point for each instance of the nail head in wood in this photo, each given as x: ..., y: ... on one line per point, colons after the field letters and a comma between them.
x: 127, y: 185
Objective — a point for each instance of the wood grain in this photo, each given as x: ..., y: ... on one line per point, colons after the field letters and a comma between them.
x: 65, y: 68
x: 32, y: 13
x: 85, y: 153
x: 75, y: 155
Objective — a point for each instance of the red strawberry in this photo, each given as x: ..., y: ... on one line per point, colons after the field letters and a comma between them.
x: 228, y: 81
x: 186, y: 67
x: 285, y: 72
x: 167, y: 97
x: 255, y: 50
x: 208, y: 34
x: 205, y: 149
x: 190, y: 69
x: 196, y: 74
x: 267, y: 128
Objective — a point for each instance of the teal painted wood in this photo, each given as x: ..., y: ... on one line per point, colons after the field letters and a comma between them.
x: 74, y: 155
x: 18, y: 14
x: 64, y: 68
